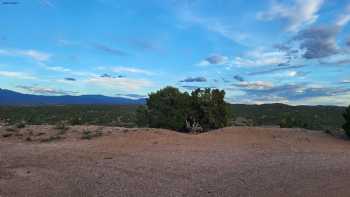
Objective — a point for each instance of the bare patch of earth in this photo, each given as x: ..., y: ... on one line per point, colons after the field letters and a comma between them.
x: 153, y: 162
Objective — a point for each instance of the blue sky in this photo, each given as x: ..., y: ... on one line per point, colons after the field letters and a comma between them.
x: 289, y: 51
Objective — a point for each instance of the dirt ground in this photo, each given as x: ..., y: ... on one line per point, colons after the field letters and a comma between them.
x: 40, y: 161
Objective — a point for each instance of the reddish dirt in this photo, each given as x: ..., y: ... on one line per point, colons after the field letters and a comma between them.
x: 148, y: 162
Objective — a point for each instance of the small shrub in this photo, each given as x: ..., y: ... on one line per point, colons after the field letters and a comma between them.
x: 291, y: 122
x: 10, y: 129
x: 61, y: 126
x: 241, y: 121
x: 75, y: 121
x: 20, y: 125
x: 346, y: 126
x: 51, y: 138
x: 88, y: 135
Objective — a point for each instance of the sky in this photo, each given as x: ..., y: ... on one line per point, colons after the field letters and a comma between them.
x: 295, y: 52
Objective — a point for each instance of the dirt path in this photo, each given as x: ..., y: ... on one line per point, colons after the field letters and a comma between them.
x: 228, y: 162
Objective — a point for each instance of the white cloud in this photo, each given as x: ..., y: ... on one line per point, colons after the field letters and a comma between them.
x: 47, y: 3
x: 64, y: 42
x: 58, y: 68
x: 119, y: 83
x: 340, y: 100
x: 261, y: 58
x: 297, y: 15
x: 45, y: 91
x: 132, y: 96
x: 36, y: 55
x: 253, y: 58
x: 226, y: 31
x: 213, y: 25
x: 66, y: 70
x: 30, y: 53
x: 65, y: 81
x: 256, y: 85
x: 101, y: 68
x: 130, y: 70
x: 344, y: 18
x: 293, y: 73
x: 17, y: 75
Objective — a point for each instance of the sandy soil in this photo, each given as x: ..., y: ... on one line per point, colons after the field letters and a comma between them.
x: 147, y: 162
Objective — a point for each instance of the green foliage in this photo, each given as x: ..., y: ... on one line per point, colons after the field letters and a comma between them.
x: 169, y: 108
x: 88, y: 135
x: 316, y: 117
x: 10, y: 129
x: 61, y: 126
x: 346, y: 126
x: 20, y: 125
x: 76, y: 121
x: 141, y: 116
x: 292, y: 122
x: 208, y: 108
x: 72, y: 114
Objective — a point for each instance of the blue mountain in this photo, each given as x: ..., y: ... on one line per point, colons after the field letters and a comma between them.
x: 8, y: 97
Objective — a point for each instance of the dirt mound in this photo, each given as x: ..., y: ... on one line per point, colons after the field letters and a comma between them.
x: 108, y: 161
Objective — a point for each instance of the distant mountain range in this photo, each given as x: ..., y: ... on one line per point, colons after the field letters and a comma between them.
x: 8, y: 97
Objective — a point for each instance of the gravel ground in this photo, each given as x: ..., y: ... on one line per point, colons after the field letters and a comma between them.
x: 148, y: 162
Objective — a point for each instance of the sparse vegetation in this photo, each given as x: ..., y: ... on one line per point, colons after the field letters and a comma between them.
x: 109, y: 115
x: 20, y: 125
x: 51, y: 138
x: 76, y: 121
x: 88, y: 135
x: 241, y: 121
x: 316, y: 117
x: 142, y: 117
x: 61, y: 126
x: 346, y: 126
x: 10, y: 129
x: 292, y: 122
x: 169, y: 108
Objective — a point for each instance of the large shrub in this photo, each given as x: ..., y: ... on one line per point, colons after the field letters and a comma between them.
x: 208, y: 108
x: 172, y: 109
x: 168, y: 108
x: 346, y: 126
x: 142, y: 116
